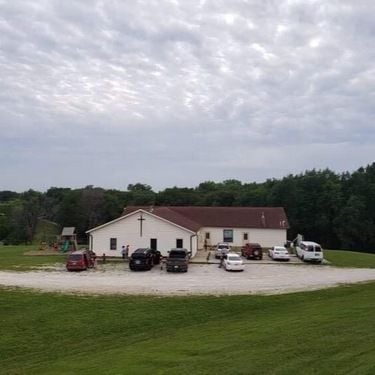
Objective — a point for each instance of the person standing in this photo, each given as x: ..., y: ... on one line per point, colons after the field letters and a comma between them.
x: 93, y: 258
x: 127, y: 252
x: 123, y: 252
x: 221, y: 261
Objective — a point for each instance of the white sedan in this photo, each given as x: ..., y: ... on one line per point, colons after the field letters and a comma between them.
x: 233, y: 262
x: 278, y: 253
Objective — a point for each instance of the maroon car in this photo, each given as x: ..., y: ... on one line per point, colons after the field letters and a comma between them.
x: 252, y: 251
x: 80, y: 260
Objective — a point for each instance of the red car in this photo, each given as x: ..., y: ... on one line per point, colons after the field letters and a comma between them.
x: 252, y: 251
x: 80, y: 260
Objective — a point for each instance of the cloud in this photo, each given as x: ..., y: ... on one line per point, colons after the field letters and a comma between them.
x: 119, y: 92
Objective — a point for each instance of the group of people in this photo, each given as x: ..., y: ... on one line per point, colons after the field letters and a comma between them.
x: 125, y: 252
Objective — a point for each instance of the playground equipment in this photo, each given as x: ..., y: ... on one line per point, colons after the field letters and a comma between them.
x: 68, y: 240
x: 43, y: 246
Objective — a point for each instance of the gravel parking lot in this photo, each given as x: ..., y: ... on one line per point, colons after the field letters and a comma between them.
x: 202, y: 279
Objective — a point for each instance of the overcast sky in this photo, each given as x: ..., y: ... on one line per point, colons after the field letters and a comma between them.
x: 167, y: 93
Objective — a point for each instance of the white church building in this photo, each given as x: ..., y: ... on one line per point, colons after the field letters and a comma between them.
x: 190, y: 227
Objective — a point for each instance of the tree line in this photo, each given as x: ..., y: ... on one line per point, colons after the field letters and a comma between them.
x: 336, y: 210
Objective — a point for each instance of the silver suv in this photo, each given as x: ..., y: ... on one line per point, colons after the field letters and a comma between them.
x: 222, y: 249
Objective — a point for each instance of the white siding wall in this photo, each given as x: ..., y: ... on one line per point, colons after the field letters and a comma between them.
x: 127, y: 232
x: 265, y: 237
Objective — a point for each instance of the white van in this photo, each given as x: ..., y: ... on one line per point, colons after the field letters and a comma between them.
x: 309, y: 251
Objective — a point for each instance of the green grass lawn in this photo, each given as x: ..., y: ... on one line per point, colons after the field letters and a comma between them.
x: 343, y: 258
x: 322, y: 332
x: 13, y: 258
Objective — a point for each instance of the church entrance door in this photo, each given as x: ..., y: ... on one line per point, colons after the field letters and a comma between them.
x: 154, y: 243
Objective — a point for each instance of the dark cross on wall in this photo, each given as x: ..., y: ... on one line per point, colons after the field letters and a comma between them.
x: 141, y: 220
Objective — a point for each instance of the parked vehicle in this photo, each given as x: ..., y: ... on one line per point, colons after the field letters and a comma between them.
x: 144, y: 259
x: 252, y: 251
x: 221, y: 250
x: 278, y: 253
x: 233, y: 262
x: 309, y: 251
x: 178, y: 260
x: 80, y: 260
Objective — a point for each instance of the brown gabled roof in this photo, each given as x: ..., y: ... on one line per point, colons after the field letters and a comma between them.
x: 194, y: 217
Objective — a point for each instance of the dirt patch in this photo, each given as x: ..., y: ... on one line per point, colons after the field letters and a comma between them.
x: 200, y: 280
x: 41, y: 252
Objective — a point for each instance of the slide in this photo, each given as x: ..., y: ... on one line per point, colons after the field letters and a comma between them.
x: 65, y: 247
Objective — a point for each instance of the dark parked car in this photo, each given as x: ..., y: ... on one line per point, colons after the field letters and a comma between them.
x: 178, y: 260
x: 144, y: 259
x: 252, y: 251
x: 80, y: 260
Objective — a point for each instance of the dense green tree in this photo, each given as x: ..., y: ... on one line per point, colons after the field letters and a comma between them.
x: 252, y: 195
x: 351, y: 225
x: 5, y: 215
x: 32, y: 208
x: 114, y: 203
x: 139, y: 187
x: 19, y: 230
x: 176, y: 197
x: 7, y: 195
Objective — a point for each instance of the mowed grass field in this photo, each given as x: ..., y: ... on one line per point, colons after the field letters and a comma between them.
x: 322, y: 332
x: 343, y: 258
x: 15, y: 258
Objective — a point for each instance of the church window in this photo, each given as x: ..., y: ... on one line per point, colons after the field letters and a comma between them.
x: 113, y: 244
x: 228, y: 235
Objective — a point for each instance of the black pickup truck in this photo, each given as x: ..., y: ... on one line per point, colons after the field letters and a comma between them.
x: 178, y: 260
